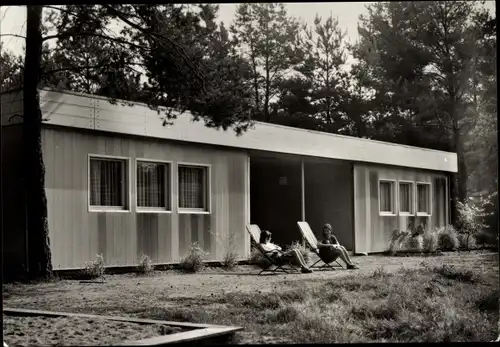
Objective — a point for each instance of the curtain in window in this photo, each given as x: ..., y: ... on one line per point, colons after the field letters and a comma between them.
x: 191, y: 187
x: 404, y: 197
x: 107, y: 183
x: 423, y: 198
x: 151, y: 185
x: 385, y: 197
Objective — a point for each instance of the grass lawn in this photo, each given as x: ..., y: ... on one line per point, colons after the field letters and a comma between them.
x: 448, y: 298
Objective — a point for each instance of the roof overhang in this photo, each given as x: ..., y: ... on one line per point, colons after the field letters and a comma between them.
x: 83, y: 111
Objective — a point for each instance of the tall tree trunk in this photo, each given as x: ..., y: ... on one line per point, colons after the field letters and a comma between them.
x: 458, y: 187
x: 267, y: 115
x: 255, y: 79
x: 40, y: 263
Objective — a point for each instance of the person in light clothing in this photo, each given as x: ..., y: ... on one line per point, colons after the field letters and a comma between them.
x: 275, y: 252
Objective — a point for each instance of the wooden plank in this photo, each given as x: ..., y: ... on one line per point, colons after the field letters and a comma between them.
x: 165, y: 238
x: 61, y: 245
x: 247, y: 206
x: 97, y: 221
x: 86, y: 221
x: 183, y: 337
x: 72, y: 172
x: 236, y: 166
x: 368, y: 209
x: 29, y: 312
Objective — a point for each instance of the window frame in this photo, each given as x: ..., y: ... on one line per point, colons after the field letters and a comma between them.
x: 208, y: 209
x: 423, y: 214
x: 127, y: 198
x: 169, y: 188
x: 412, y: 199
x: 394, y: 197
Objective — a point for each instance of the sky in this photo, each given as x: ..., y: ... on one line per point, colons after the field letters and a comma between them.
x: 12, y: 18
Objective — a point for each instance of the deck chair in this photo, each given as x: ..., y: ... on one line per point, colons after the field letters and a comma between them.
x: 254, y: 231
x: 312, y: 241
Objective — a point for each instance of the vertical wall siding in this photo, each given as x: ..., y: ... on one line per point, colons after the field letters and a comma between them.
x: 372, y: 231
x: 77, y: 235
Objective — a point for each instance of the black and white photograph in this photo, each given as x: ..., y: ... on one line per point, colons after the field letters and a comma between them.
x: 249, y: 173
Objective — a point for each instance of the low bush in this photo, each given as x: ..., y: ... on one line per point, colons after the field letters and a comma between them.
x: 466, y: 241
x: 228, y: 242
x: 145, y: 265
x: 194, y: 259
x: 414, y: 243
x: 452, y: 273
x: 230, y: 260
x: 398, y: 240
x: 94, y: 269
x: 429, y: 241
x: 447, y: 238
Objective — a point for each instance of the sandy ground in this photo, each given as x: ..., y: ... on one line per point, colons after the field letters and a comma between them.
x: 71, y: 331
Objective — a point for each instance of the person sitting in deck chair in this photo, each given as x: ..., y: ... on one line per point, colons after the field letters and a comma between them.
x: 331, y: 248
x: 277, y: 254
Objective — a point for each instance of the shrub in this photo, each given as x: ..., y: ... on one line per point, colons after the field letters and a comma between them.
x: 397, y: 240
x: 193, y: 261
x: 452, y: 273
x: 94, y: 269
x: 470, y: 219
x: 228, y: 241
x: 302, y: 249
x: 230, y: 260
x: 414, y: 243
x: 447, y: 238
x: 430, y: 241
x: 466, y: 242
x: 145, y: 265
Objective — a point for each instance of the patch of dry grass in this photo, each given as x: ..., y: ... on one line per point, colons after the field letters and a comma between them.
x: 418, y: 303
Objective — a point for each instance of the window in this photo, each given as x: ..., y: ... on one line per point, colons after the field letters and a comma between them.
x: 406, y: 200
x: 108, y: 183
x: 386, y: 197
x: 193, y: 188
x: 424, y: 199
x: 153, y: 186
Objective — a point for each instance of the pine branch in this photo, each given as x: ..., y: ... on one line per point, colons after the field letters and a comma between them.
x: 179, y: 49
x: 78, y: 68
x: 93, y: 34
x: 14, y: 35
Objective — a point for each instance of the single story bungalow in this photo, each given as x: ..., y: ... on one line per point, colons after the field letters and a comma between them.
x: 121, y: 184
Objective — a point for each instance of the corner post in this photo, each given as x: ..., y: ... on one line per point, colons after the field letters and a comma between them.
x: 303, y: 195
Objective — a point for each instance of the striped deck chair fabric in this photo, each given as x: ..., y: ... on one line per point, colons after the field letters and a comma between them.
x: 273, y: 267
x: 312, y: 241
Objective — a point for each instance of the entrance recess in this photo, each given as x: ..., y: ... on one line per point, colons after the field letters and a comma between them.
x: 288, y: 189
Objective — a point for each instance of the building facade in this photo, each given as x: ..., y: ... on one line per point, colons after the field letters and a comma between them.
x: 121, y: 184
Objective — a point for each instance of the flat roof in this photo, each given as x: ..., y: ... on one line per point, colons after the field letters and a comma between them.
x: 76, y: 110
